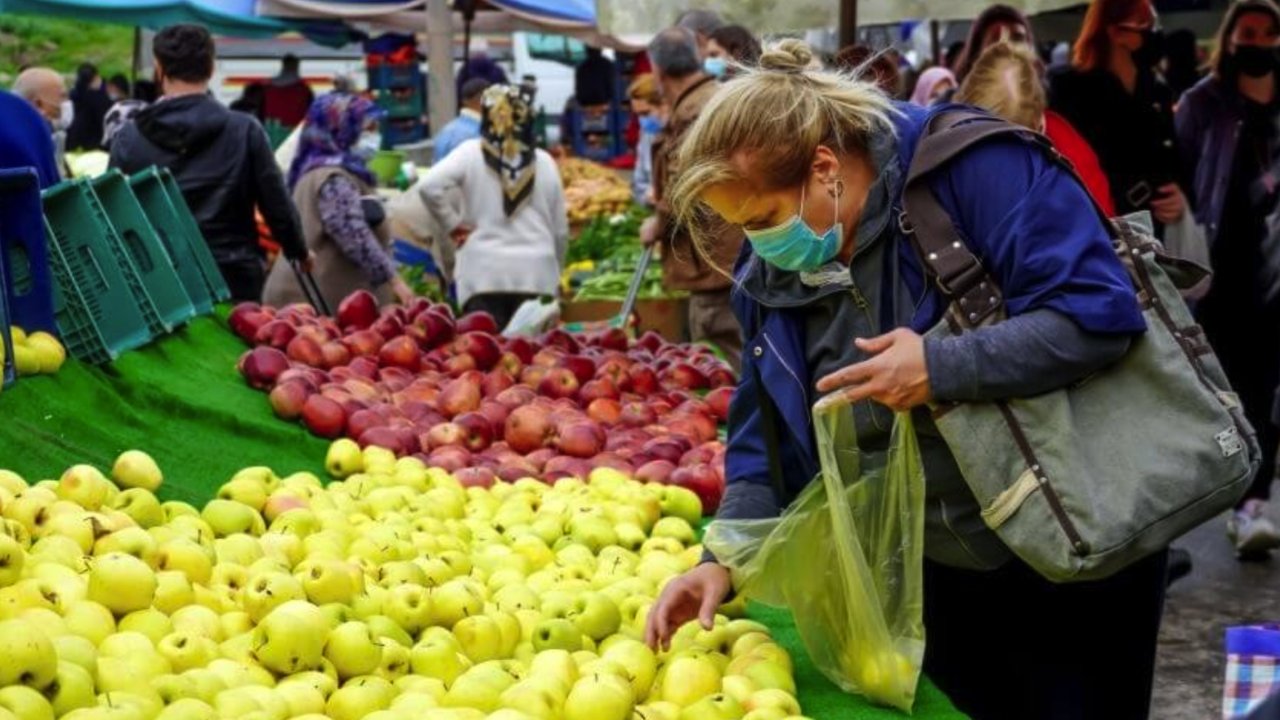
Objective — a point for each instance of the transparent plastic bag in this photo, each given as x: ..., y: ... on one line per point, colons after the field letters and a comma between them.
x: 533, y: 317
x: 846, y: 558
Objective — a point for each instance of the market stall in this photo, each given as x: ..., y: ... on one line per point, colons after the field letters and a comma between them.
x: 183, y: 401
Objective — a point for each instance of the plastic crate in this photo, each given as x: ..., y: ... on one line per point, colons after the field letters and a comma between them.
x: 8, y: 373
x: 186, y: 222
x: 402, y: 132
x: 154, y: 263
x: 406, y: 102
x: 95, y: 289
x: 28, y: 283
x: 148, y: 187
x: 382, y: 77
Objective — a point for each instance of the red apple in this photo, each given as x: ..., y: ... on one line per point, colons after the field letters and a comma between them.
x: 261, y: 366
x: 539, y: 458
x: 722, y: 377
x: 400, y: 352
x: 684, y: 375
x: 481, y: 346
x: 511, y: 364
x: 664, y: 449
x: 460, y: 395
x: 450, y: 458
x: 358, y: 310
x: 583, y: 368
x: 643, y: 379
x: 558, y: 383
x: 305, y: 350
x: 514, y: 470
x: 702, y: 480
x: 496, y: 413
x: 514, y: 397
x: 657, y: 471
x: 532, y: 375
x: 363, y: 343
x: 478, y: 322
x: 361, y: 421
x: 561, y: 339
x: 601, y: 388
x: 605, y: 410
x: 388, y: 326
x: 383, y: 437
x: 651, y: 341
x: 477, y: 428
x: 613, y: 339
x: 700, y: 455
x: 521, y: 348
x: 439, y: 326
x: 496, y: 381
x: 718, y: 401
x: 324, y: 416
x: 582, y: 439
x: 247, y: 318
x: 334, y: 354
x: 638, y: 414
x: 276, y: 333
x: 458, y: 364
x: 528, y: 428
x: 287, y: 399
x: 446, y: 434
x: 481, y: 477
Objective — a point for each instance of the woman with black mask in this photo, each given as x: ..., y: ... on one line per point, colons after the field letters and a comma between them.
x: 1229, y: 129
x: 1112, y: 95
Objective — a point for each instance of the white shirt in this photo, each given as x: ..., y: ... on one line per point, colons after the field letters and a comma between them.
x: 523, y: 253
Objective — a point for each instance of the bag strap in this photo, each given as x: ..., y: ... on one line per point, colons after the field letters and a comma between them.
x: 959, y: 273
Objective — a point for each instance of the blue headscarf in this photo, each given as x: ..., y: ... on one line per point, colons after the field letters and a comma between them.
x: 332, y: 128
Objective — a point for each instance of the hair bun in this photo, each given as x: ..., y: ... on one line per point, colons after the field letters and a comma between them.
x: 790, y: 56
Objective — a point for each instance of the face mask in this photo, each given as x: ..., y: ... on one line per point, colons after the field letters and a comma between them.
x: 369, y: 144
x: 68, y: 114
x: 715, y: 67
x: 794, y: 245
x: 1254, y: 60
x: 650, y: 124
x: 1152, y: 50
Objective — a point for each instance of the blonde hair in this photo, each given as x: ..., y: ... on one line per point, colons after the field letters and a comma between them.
x: 1006, y: 81
x: 778, y: 113
x: 644, y: 88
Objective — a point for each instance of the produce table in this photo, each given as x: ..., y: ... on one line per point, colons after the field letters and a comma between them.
x: 182, y: 401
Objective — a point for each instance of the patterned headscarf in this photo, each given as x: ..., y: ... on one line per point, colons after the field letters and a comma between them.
x: 506, y: 135
x: 333, y: 126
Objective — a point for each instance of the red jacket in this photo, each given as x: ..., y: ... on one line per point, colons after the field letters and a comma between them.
x: 1076, y: 149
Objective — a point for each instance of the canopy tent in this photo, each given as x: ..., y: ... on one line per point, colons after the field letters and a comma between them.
x: 631, y: 18
x: 225, y: 17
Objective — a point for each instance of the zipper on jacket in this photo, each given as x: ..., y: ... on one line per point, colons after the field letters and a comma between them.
x: 803, y: 390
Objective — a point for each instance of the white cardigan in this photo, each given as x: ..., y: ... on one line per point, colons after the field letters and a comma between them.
x: 523, y: 253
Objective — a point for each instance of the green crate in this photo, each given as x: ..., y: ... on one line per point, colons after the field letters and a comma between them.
x: 95, y: 288
x: 204, y: 257
x: 155, y: 264
x: 148, y: 187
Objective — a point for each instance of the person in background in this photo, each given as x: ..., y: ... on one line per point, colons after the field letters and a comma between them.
x: 25, y: 140
x: 145, y: 90
x: 118, y: 88
x: 881, y: 67
x: 513, y: 233
x: 729, y: 46
x: 343, y: 226
x: 951, y: 58
x: 686, y: 266
x: 817, y: 291
x: 286, y: 98
x: 90, y: 105
x: 467, y: 125
x: 120, y: 114
x: 1229, y: 131
x: 1006, y: 81
x: 646, y: 104
x: 593, y: 80
x: 998, y: 22
x: 933, y: 85
x: 1182, y: 64
x: 46, y: 91
x: 1112, y: 95
x: 221, y: 160
x: 483, y: 67
x: 251, y: 99
x: 701, y: 23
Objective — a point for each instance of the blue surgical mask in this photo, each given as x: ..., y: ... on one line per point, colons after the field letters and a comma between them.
x: 650, y: 124
x: 794, y: 246
x: 715, y: 66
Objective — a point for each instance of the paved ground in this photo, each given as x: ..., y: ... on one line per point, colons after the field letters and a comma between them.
x: 1220, y: 592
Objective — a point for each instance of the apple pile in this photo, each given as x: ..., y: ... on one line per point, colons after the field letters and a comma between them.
x: 395, y: 592
x: 458, y: 396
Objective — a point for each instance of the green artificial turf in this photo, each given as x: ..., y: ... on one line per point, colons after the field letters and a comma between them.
x: 182, y: 400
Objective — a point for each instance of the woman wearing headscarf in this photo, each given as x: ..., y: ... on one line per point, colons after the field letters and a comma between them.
x: 934, y: 84
x: 996, y: 24
x: 513, y: 233
x: 343, y: 226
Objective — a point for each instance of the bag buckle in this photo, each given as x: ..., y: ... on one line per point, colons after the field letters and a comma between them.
x: 1230, y: 442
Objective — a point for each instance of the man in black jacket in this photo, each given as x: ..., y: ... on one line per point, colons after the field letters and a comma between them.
x: 222, y: 161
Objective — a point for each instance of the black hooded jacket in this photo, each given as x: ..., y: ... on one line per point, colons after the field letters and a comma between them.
x: 223, y: 162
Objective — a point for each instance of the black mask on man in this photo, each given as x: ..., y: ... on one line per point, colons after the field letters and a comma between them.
x: 1152, y: 50
x: 1254, y: 60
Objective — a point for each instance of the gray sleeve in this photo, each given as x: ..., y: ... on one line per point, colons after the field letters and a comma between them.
x: 1026, y: 355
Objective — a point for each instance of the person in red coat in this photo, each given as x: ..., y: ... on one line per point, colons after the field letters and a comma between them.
x: 1005, y: 80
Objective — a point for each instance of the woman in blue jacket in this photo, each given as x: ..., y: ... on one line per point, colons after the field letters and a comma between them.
x: 833, y: 299
x: 1229, y: 132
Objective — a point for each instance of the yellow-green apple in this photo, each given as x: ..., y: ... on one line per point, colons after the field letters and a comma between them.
x: 301, y: 698
x: 384, y: 628
x: 185, y: 651
x: 535, y: 699
x: 331, y: 581
x: 713, y: 707
x: 410, y: 606
x: 689, y: 679
x: 71, y: 688
x: 557, y: 634
x: 739, y: 687
x: 27, y: 655
x: 149, y: 622
x: 25, y: 703
x: 268, y: 591
x: 121, y: 583
x: 90, y: 620
x: 480, y: 638
x: 76, y: 649
x: 595, y: 615
x: 479, y: 687
x: 188, y: 709
x: 343, y: 458
x: 131, y: 541
x: 85, y: 486
x: 136, y: 469
x: 455, y: 600
x: 173, y: 591
x: 291, y: 638
x: 355, y: 701
x: 599, y: 697
x: 438, y: 659
x: 772, y: 698
x: 638, y: 660
x: 353, y: 649
x: 395, y: 662
x: 240, y: 549
x: 228, y: 517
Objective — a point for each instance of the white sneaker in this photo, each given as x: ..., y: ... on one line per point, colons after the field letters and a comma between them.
x: 1252, y: 531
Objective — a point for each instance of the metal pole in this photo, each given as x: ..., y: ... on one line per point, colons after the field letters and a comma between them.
x: 137, y: 56
x: 848, y: 23
x: 443, y: 92
x: 935, y: 42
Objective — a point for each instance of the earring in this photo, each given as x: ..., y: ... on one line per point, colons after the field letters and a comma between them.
x: 836, y: 189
